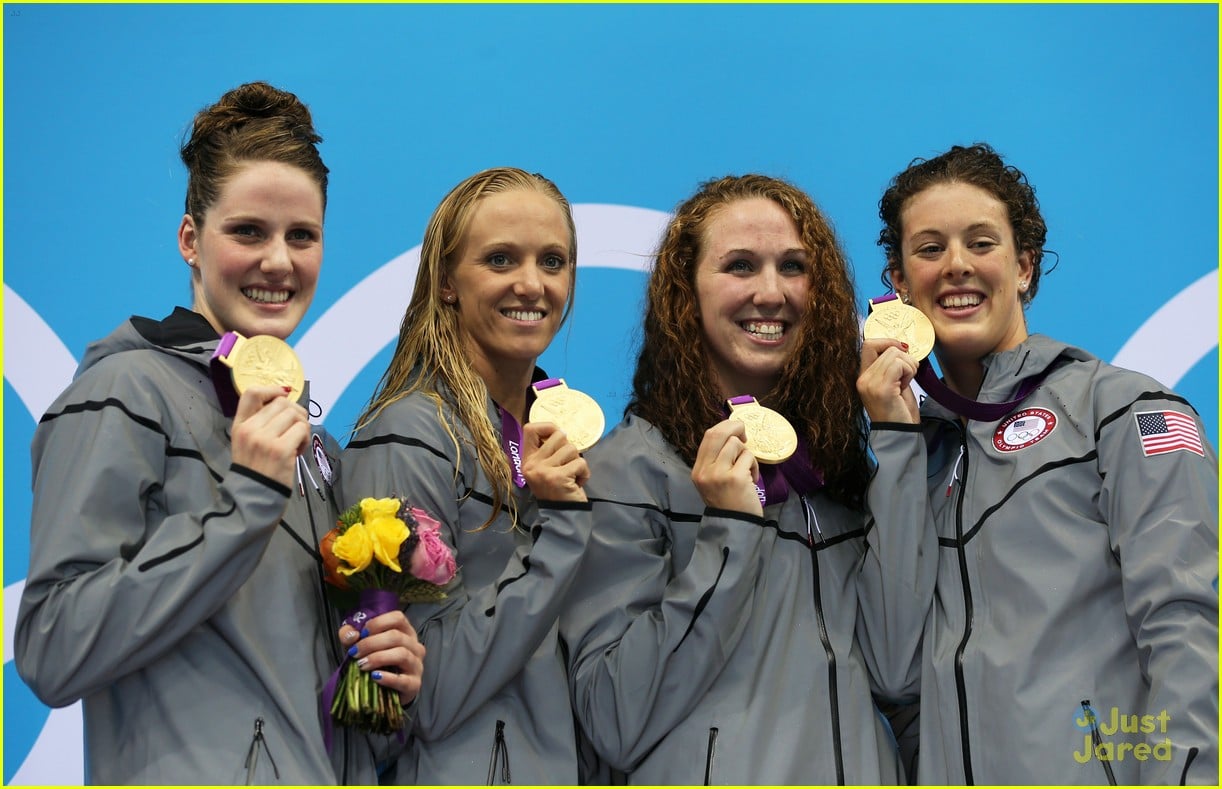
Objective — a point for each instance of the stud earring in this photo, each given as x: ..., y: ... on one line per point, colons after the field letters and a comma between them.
x: 448, y: 298
x: 904, y: 297
x: 1022, y: 287
x: 191, y: 262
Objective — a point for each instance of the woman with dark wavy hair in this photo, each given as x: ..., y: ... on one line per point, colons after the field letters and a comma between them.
x: 1067, y: 508
x: 713, y: 630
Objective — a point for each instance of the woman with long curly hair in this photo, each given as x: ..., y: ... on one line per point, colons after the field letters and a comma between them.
x: 713, y: 628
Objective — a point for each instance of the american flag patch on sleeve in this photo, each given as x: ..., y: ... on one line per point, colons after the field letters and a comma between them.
x: 1168, y: 431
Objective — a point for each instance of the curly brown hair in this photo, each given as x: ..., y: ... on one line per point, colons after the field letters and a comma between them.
x: 980, y: 166
x: 817, y: 388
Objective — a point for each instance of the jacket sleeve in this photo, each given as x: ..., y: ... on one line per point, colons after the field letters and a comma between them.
x: 1162, y: 515
x: 900, y: 565
x: 121, y: 566
x: 646, y: 641
x: 478, y: 638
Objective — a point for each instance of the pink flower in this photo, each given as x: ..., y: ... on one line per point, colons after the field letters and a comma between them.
x: 432, y: 560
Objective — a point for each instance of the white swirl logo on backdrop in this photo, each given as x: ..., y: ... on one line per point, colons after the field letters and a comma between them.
x: 1169, y: 344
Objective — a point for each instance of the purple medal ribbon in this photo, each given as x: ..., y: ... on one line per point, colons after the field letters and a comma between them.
x: 370, y: 603
x: 511, y: 442
x: 222, y: 375
x: 963, y: 406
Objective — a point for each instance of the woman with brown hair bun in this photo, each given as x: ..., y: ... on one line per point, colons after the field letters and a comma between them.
x: 175, y: 584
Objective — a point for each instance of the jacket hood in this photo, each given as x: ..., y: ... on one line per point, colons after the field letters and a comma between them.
x: 182, y: 332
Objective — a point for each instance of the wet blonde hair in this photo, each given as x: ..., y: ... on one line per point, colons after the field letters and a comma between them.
x: 431, y: 356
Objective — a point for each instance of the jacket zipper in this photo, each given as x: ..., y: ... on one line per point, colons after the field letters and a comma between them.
x: 1097, y: 739
x: 708, y: 757
x: 833, y: 693
x: 500, y: 752
x: 257, y: 742
x: 965, y: 580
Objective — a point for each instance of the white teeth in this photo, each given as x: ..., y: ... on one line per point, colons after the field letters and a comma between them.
x: 770, y: 329
x: 267, y: 296
x: 523, y: 315
x: 961, y: 300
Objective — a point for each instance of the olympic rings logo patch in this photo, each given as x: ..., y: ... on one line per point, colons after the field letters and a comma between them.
x: 1024, y: 428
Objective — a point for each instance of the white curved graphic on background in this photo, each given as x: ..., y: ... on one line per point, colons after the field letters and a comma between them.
x: 608, y: 236
x: 1179, y: 335
x: 57, y: 757
x: 39, y: 366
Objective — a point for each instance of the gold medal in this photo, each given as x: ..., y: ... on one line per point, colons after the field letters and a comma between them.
x: 574, y: 412
x: 262, y: 360
x: 770, y: 437
x: 895, y: 320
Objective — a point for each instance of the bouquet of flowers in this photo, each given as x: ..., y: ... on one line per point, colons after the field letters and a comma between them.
x: 385, y: 553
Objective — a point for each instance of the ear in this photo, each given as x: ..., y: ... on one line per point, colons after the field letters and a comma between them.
x: 1025, y: 268
x: 188, y: 238
x: 897, y: 278
x: 448, y: 294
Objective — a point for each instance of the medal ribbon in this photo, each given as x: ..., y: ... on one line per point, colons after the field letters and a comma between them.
x: 964, y: 406
x: 511, y: 442
x: 370, y: 603
x: 222, y: 375
x: 775, y: 480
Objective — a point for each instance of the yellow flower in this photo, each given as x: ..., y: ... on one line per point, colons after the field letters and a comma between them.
x: 354, y: 548
x: 372, y: 509
x: 387, y: 535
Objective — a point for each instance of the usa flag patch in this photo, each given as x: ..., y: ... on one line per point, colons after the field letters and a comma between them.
x: 1168, y: 431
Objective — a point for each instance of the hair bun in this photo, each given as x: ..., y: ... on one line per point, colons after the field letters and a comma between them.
x: 251, y: 122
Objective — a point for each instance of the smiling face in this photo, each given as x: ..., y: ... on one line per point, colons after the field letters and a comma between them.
x: 752, y: 283
x: 256, y: 257
x: 962, y: 268
x: 510, y: 281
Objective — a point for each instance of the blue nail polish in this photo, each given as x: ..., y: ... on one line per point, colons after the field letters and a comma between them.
x: 377, y: 675
x: 352, y: 651
x: 364, y: 632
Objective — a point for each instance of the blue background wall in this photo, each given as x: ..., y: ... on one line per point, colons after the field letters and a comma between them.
x: 1111, y: 110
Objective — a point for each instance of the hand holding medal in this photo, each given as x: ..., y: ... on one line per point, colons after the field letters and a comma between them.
x: 891, y: 318
x: 574, y: 412
x: 770, y: 437
x: 261, y: 360
x: 275, y: 441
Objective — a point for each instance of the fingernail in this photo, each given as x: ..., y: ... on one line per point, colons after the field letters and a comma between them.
x: 362, y: 662
x: 905, y: 345
x: 353, y: 636
x: 364, y: 632
x: 352, y: 651
x: 377, y: 676
x: 287, y: 388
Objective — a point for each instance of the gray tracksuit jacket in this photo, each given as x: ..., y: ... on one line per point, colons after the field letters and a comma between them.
x: 711, y: 646
x: 177, y: 594
x: 494, y: 706
x: 1073, y: 634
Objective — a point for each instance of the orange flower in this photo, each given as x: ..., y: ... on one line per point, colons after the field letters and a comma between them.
x: 330, y: 561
